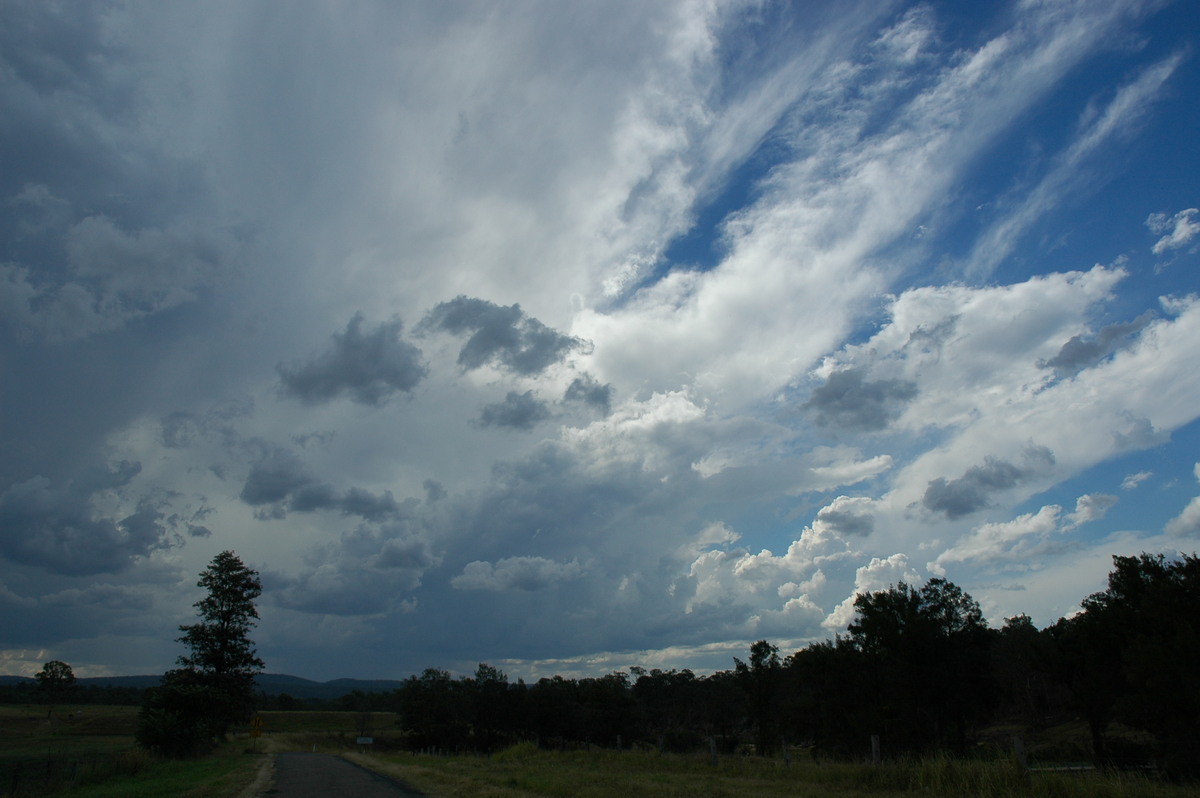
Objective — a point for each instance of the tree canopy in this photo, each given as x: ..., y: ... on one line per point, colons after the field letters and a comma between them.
x: 213, y: 687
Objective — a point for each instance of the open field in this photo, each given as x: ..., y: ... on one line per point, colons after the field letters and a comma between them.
x: 524, y: 771
x: 90, y: 752
x: 99, y: 741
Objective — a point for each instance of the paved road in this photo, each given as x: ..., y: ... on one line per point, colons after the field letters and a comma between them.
x: 327, y: 776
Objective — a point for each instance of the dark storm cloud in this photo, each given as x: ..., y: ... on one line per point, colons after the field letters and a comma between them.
x: 501, y: 335
x: 181, y: 429
x: 279, y: 483
x: 369, y: 367
x: 275, y: 477
x: 102, y: 223
x: 848, y: 401
x: 58, y: 529
x: 587, y: 390
x: 1080, y: 353
x: 367, y: 571
x: 972, y: 491
x: 517, y: 411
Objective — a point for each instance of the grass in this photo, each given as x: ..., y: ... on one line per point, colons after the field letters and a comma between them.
x: 90, y: 752
x: 225, y: 773
x: 524, y: 772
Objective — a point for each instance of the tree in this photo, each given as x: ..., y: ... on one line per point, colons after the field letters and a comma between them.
x: 55, y: 679
x: 214, y: 685
x: 761, y: 681
x: 928, y: 648
x: 1134, y: 653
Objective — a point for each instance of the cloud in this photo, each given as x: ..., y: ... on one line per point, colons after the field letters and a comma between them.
x: 1187, y: 523
x: 1096, y: 131
x: 369, y: 367
x: 499, y: 335
x: 1080, y: 353
x: 1178, y: 230
x: 279, y: 482
x: 848, y: 516
x: 1131, y: 481
x: 588, y: 391
x: 1007, y: 541
x: 973, y: 490
x: 1089, y: 507
x: 515, y: 573
x: 59, y: 529
x: 879, y: 574
x: 849, y: 401
x: 522, y: 411
x: 366, y: 572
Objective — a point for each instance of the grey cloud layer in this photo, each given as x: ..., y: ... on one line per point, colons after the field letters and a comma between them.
x: 849, y: 401
x: 502, y: 335
x: 518, y: 411
x: 973, y: 491
x: 369, y: 367
x: 58, y: 529
x: 191, y: 191
x: 1081, y: 352
x: 279, y: 482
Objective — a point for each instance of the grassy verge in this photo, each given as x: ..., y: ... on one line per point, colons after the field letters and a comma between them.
x: 226, y: 773
x: 524, y: 771
x: 89, y: 752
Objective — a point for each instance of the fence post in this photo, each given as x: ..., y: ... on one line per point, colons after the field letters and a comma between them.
x: 1019, y: 750
x: 712, y: 750
x: 876, y: 757
x: 787, y: 754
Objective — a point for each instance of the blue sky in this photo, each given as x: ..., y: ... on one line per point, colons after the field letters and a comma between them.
x: 570, y: 337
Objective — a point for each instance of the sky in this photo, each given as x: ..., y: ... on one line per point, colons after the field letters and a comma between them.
x: 569, y: 337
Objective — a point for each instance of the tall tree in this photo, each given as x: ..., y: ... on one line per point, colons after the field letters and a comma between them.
x: 928, y: 649
x: 761, y: 680
x: 214, y: 686
x: 221, y: 652
x: 1142, y: 648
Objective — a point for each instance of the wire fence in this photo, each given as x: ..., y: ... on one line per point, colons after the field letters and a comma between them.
x: 34, y: 776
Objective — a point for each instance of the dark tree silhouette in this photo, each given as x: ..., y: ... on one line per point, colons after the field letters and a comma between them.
x: 928, y: 651
x: 214, y: 686
x: 761, y: 679
x: 1133, y: 655
x: 55, y: 681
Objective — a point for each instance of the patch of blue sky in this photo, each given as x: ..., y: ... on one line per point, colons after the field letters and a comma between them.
x: 703, y: 245
x: 1152, y: 486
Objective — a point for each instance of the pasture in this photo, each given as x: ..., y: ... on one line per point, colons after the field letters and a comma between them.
x: 89, y: 752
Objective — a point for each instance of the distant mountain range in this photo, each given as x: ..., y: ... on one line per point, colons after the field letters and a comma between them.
x: 269, y: 683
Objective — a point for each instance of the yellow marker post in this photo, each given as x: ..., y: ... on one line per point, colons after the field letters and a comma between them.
x: 256, y: 725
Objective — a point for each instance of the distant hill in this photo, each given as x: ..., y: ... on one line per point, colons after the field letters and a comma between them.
x: 269, y: 683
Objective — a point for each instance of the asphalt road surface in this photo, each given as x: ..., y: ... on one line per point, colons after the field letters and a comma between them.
x: 327, y: 776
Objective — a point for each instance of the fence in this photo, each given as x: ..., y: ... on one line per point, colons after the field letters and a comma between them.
x: 22, y: 778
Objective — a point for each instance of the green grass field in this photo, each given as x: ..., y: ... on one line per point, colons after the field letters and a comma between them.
x: 525, y: 771
x: 107, y: 764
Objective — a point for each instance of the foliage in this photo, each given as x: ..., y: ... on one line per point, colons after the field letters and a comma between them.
x: 927, y: 651
x: 55, y: 680
x: 214, y: 685
x: 761, y: 680
x: 1133, y: 654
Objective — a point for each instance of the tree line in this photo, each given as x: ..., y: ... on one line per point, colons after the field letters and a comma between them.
x: 918, y: 669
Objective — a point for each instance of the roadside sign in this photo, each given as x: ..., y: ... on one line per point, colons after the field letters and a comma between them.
x: 256, y: 726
